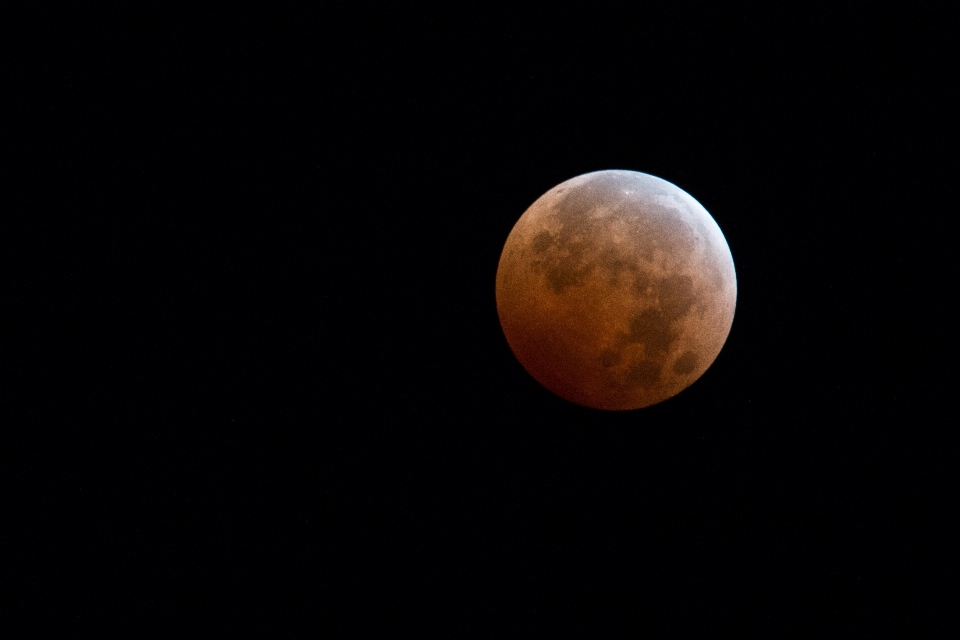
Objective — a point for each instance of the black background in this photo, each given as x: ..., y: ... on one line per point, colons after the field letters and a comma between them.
x: 256, y: 376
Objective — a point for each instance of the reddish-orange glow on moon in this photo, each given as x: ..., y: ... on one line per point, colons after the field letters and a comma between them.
x: 616, y: 290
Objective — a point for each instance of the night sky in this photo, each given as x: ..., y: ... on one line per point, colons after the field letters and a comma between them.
x: 257, y: 379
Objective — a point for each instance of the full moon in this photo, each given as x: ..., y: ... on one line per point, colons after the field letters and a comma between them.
x: 616, y: 290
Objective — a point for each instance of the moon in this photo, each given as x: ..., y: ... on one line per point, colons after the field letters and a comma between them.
x: 616, y: 290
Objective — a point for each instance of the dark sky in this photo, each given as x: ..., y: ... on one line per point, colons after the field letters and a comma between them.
x: 258, y: 377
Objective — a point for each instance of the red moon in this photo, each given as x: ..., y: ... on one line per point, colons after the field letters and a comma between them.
x: 616, y: 290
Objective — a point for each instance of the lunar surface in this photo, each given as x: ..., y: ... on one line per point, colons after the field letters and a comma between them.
x: 616, y: 290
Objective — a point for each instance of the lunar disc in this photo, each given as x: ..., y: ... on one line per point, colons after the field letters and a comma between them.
x: 616, y: 290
